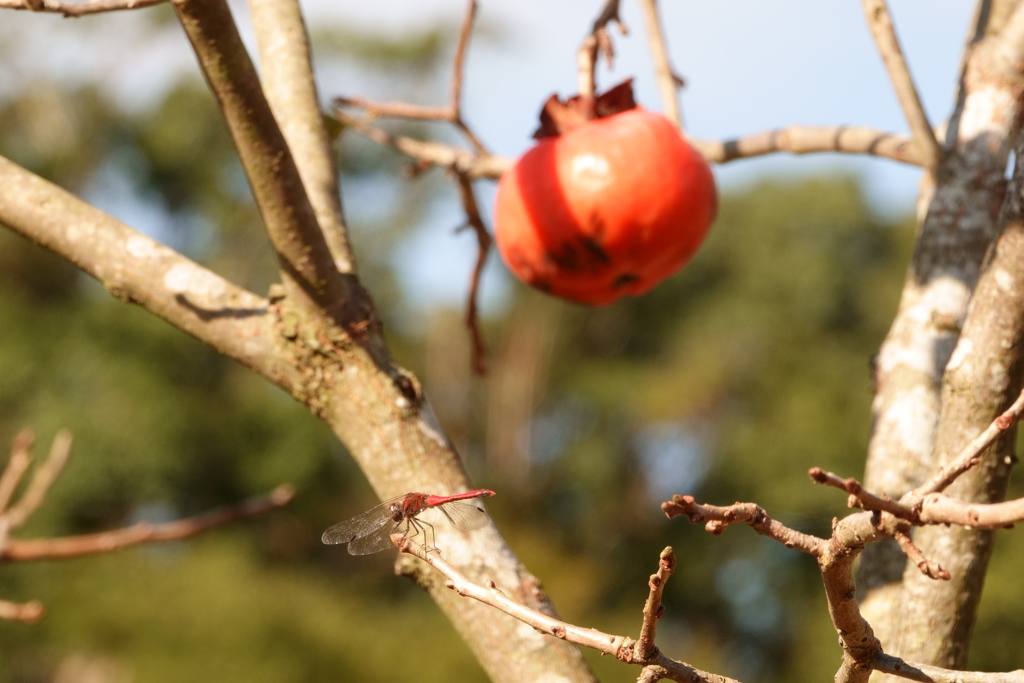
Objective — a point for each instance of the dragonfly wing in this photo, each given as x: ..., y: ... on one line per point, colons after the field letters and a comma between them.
x: 361, y: 525
x: 463, y: 515
x: 375, y: 542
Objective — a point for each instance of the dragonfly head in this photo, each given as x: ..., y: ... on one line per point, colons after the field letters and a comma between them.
x: 395, y: 511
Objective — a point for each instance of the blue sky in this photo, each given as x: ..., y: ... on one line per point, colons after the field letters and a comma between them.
x: 750, y: 65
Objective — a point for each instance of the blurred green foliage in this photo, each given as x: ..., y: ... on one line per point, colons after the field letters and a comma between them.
x: 728, y: 381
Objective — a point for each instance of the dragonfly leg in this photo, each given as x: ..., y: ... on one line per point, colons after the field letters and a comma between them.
x: 433, y: 536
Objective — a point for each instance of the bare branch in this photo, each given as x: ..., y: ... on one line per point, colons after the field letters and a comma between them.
x: 483, y: 240
x: 78, y: 9
x: 969, y: 456
x: 307, y: 267
x: 42, y: 480
x: 859, y: 497
x: 796, y: 140
x: 653, y: 609
x: 398, y: 110
x: 877, y: 12
x: 810, y: 139
x: 21, y: 456
x: 598, y: 42
x: 139, y: 270
x: 718, y: 518
x: 287, y: 75
x: 458, y: 73
x: 928, y: 568
x: 933, y: 674
x: 452, y: 113
x: 941, y: 509
x: 144, y: 532
x: 602, y: 642
x: 461, y: 161
x: 668, y: 82
x: 620, y: 647
x: 28, y: 612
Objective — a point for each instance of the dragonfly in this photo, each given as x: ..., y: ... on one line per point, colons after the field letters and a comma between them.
x: 370, y: 532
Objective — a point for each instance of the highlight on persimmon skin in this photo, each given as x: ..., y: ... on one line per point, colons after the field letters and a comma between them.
x: 609, y: 208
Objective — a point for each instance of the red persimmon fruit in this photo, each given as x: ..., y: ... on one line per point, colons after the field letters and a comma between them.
x: 604, y: 207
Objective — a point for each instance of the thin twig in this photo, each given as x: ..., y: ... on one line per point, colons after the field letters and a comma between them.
x: 653, y: 609
x: 596, y: 43
x: 895, y: 666
x: 27, y: 612
x: 858, y: 496
x: 439, y: 154
x: 490, y: 595
x: 452, y: 112
x: 78, y: 9
x: 21, y: 456
x: 720, y: 517
x: 668, y: 82
x: 970, y: 454
x: 397, y: 110
x: 877, y: 13
x: 458, y: 73
x: 483, y: 240
x: 620, y: 647
x: 914, y: 554
x: 42, y: 480
x: 143, y: 532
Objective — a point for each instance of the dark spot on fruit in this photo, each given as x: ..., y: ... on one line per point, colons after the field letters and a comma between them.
x: 595, y: 250
x: 568, y: 258
x: 597, y: 226
x: 625, y: 279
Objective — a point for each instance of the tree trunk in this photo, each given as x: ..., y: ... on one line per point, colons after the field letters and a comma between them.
x: 924, y: 411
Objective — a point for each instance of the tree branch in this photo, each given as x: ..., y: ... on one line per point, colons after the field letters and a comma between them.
x: 940, y: 509
x: 452, y: 112
x: 880, y: 23
x: 458, y: 71
x: 19, y: 550
x: 930, y: 569
x: 933, y: 674
x: 42, y: 480
x: 718, y: 518
x: 959, y: 221
x: 307, y: 267
x: 287, y: 74
x: 483, y: 240
x: 598, y: 42
x: 809, y: 140
x: 461, y: 161
x: 668, y: 82
x: 859, y: 497
x: 653, y: 609
x: 78, y: 9
x: 971, y: 453
x: 21, y: 456
x: 27, y: 612
x: 620, y: 647
x: 795, y: 140
x: 137, y: 269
